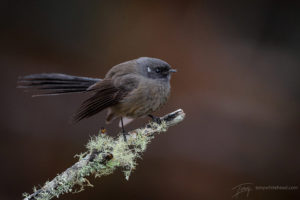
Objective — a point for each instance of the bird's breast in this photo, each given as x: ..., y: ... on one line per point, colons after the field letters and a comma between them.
x: 148, y: 97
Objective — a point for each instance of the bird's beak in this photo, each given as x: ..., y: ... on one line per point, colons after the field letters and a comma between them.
x: 172, y: 70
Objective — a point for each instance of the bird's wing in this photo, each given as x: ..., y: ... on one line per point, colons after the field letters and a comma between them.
x: 107, y: 94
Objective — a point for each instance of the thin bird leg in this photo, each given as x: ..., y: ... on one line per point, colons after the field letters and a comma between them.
x: 123, y: 130
x: 155, y: 119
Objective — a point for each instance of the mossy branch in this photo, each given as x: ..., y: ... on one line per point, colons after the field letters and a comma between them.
x: 104, y: 155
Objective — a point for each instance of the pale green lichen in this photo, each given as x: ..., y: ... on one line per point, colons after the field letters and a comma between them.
x: 124, y: 155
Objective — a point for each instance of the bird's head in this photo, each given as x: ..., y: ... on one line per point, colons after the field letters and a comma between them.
x: 155, y: 68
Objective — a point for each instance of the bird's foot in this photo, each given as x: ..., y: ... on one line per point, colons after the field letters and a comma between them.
x: 155, y: 119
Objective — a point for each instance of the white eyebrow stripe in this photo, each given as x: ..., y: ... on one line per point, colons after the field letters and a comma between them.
x: 148, y: 68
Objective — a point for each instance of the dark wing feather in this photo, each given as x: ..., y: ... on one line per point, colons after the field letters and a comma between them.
x: 106, y: 95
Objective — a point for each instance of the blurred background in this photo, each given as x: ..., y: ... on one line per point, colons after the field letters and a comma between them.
x: 238, y: 82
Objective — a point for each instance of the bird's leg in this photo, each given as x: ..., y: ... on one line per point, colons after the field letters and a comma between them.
x: 155, y: 119
x: 123, y: 130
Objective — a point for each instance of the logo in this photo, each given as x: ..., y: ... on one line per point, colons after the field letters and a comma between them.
x: 242, y: 191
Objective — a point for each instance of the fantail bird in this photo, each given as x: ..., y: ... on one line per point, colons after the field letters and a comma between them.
x: 129, y: 90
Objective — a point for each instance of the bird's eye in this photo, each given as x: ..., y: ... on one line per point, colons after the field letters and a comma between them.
x: 157, y: 70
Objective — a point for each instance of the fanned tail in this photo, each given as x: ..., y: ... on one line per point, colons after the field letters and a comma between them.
x: 55, y: 84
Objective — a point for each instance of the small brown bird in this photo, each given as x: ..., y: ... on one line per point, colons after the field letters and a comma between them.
x: 129, y: 90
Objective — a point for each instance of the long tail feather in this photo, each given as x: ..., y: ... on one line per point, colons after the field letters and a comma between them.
x: 55, y: 84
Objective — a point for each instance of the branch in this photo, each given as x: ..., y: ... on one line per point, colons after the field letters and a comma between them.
x: 104, y: 155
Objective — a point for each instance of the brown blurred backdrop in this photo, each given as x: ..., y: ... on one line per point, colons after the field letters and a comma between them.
x: 237, y: 81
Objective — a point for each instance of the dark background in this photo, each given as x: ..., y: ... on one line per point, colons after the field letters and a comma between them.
x: 237, y: 81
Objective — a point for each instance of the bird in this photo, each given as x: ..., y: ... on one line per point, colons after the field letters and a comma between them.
x: 129, y: 90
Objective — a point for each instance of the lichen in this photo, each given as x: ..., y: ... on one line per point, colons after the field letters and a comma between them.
x: 104, y: 155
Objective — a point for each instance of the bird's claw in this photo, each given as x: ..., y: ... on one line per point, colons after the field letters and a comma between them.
x: 155, y: 119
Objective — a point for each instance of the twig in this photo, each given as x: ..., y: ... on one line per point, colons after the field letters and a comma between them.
x: 104, y: 155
